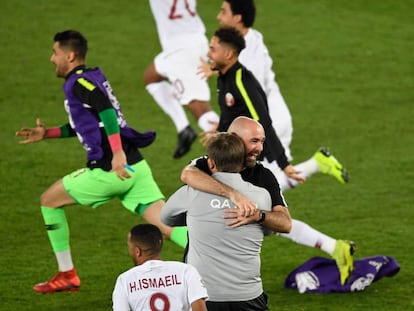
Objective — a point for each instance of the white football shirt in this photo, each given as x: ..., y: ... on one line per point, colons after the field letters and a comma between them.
x: 158, y: 285
x: 257, y: 59
x: 175, y: 20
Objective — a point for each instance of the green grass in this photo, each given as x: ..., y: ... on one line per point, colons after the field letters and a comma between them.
x: 346, y: 70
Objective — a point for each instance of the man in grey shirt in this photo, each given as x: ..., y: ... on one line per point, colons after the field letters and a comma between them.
x: 227, y: 257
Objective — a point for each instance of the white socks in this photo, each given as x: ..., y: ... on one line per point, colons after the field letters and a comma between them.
x: 64, y: 260
x: 304, y: 234
x: 204, y: 122
x: 307, y: 169
x: 163, y: 94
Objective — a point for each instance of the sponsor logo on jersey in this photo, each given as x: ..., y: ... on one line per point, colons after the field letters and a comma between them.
x: 216, y: 203
x: 229, y: 99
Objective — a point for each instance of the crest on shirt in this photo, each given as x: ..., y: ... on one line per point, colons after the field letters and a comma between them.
x: 229, y: 99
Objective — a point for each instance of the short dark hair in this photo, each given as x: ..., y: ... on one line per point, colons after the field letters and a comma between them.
x: 148, y: 237
x: 246, y: 9
x: 227, y: 151
x: 232, y: 37
x: 74, y: 41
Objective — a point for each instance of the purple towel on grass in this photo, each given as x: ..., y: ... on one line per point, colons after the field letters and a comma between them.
x: 321, y: 274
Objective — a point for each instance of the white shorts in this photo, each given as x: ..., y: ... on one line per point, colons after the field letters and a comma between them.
x: 180, y: 66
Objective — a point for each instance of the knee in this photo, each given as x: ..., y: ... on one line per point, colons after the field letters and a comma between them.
x: 44, y: 199
x: 151, y: 75
x: 47, y: 199
x: 147, y: 77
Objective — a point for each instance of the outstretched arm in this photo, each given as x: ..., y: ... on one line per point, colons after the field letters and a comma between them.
x: 200, y: 180
x: 40, y: 132
x: 32, y: 135
x: 205, y: 71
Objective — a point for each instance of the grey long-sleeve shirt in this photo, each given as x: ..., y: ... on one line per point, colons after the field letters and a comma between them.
x: 228, y: 259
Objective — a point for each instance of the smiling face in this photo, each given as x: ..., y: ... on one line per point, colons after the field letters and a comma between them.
x: 217, y: 54
x: 253, y: 136
x: 61, y: 58
x: 253, y: 140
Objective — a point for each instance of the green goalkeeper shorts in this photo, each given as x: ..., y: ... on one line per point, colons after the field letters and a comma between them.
x: 96, y: 187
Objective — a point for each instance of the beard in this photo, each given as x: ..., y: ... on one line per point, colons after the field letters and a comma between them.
x: 250, y: 164
x: 251, y: 158
x: 216, y: 65
x: 250, y: 161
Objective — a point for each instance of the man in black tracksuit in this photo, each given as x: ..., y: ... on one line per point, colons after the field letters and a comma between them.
x: 240, y: 94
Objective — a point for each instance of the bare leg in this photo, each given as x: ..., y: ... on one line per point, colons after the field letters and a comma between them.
x: 205, y: 116
x: 152, y: 216
x: 56, y: 196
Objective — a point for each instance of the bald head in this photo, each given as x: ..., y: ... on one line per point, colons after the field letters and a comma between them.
x: 253, y: 136
x: 243, y: 124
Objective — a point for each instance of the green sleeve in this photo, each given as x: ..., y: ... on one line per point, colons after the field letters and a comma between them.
x: 66, y: 131
x: 108, y: 117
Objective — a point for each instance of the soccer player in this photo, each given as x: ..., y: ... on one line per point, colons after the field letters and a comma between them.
x: 172, y: 77
x: 115, y: 167
x: 256, y: 58
x: 154, y: 284
x: 240, y: 94
x: 227, y: 258
x: 197, y: 175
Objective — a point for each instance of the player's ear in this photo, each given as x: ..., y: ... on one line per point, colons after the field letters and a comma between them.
x: 211, y: 164
x: 71, y: 56
x: 238, y: 18
x: 138, y: 251
x: 229, y: 53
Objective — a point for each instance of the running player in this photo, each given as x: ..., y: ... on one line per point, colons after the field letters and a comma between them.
x: 115, y: 167
x: 255, y: 57
x: 172, y: 77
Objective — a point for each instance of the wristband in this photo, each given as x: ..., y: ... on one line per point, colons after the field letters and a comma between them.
x: 262, y: 217
x: 115, y: 142
x: 54, y: 132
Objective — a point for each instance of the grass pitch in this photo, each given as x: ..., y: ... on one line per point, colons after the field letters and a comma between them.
x: 346, y: 71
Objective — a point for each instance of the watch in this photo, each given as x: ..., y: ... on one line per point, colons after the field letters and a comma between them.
x: 262, y: 217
